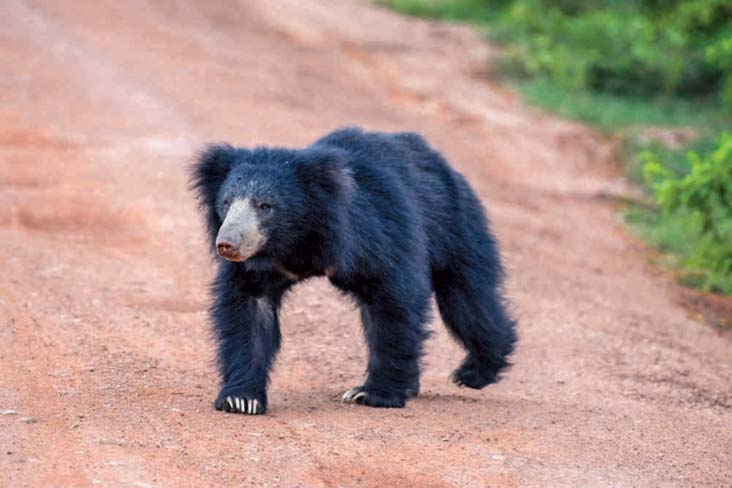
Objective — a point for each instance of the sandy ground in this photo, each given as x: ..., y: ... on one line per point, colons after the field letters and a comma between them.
x: 106, y: 373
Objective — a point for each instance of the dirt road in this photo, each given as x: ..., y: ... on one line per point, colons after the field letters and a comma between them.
x: 106, y: 373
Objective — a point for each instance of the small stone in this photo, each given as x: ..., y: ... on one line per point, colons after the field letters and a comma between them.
x: 8, y: 412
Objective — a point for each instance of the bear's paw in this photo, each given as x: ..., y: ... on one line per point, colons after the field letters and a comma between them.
x: 364, y: 396
x: 475, y: 375
x: 245, y: 404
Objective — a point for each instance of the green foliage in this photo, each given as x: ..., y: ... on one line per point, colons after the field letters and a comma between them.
x: 699, y: 207
x: 610, y: 112
x: 472, y: 11
x: 637, y: 48
x: 633, y: 153
x: 719, y: 53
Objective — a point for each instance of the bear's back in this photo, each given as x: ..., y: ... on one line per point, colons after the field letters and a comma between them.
x: 402, y: 156
x: 408, y: 180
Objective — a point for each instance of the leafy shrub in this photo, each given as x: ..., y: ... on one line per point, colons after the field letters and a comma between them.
x: 639, y: 48
x: 719, y: 53
x: 700, y: 202
x: 629, y: 48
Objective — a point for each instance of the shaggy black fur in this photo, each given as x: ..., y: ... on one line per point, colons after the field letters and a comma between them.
x: 389, y: 222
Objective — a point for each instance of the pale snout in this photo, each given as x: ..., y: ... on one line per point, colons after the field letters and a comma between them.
x: 239, y: 236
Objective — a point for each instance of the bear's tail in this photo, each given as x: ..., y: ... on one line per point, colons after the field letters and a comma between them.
x: 472, y: 307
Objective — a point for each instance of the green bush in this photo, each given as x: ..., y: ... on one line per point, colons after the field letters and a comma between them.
x: 700, y: 203
x: 719, y: 53
x: 629, y: 48
x: 638, y: 48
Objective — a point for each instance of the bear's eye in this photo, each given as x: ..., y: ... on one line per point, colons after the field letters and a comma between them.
x: 264, y: 206
x: 227, y: 202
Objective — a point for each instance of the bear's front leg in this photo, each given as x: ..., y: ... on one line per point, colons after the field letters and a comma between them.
x: 248, y: 334
x: 395, y: 332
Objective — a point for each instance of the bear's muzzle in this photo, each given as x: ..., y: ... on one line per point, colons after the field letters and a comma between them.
x: 239, y: 237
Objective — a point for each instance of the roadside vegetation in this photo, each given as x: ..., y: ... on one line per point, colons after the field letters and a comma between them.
x: 624, y: 66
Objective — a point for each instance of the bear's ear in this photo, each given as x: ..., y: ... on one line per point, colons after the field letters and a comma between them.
x: 208, y: 173
x: 323, y: 171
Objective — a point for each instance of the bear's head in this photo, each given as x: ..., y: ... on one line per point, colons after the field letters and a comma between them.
x: 271, y: 202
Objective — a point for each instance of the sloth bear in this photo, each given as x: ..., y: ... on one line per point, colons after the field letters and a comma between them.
x: 387, y: 220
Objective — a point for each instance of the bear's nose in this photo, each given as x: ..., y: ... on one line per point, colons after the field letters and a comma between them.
x: 225, y: 249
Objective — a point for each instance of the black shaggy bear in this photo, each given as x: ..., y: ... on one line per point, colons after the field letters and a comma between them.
x: 387, y: 220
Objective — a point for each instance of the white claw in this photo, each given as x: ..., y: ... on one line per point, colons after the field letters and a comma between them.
x: 238, y: 403
x: 255, y: 406
x: 251, y: 407
x: 359, y: 395
x: 228, y: 400
x: 347, y: 396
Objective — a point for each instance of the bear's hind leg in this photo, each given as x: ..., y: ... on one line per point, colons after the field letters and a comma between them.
x: 395, y: 333
x: 473, y: 311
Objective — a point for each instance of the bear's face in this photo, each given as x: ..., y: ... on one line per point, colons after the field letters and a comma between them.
x: 268, y: 202
x: 258, y: 204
